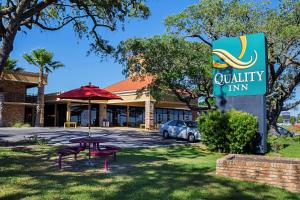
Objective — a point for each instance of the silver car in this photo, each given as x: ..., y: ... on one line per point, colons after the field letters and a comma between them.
x: 180, y: 129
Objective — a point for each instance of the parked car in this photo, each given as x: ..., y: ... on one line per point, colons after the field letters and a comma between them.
x: 181, y: 129
x: 284, y: 132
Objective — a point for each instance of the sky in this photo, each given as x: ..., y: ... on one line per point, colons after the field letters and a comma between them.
x: 81, y: 69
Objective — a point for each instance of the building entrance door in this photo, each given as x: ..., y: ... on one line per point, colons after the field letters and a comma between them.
x: 117, y: 115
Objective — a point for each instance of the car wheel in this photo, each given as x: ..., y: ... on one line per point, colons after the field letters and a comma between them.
x: 191, y: 137
x: 166, y: 134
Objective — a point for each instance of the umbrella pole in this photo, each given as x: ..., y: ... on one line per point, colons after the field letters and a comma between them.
x: 90, y: 117
x: 89, y: 107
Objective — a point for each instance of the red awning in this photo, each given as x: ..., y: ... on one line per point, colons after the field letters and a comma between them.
x: 89, y: 92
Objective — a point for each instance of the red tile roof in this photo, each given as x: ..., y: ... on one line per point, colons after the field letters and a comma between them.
x: 130, y: 85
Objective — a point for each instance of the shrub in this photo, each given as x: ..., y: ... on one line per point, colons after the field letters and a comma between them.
x: 213, y: 128
x: 231, y: 131
x: 243, y: 129
x: 20, y: 125
x: 17, y: 125
x: 274, y: 145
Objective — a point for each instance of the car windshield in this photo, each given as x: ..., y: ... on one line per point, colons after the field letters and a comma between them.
x: 191, y: 124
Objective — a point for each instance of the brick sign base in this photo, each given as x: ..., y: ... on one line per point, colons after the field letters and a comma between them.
x: 277, y: 171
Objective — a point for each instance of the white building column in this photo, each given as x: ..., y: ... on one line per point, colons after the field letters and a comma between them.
x: 149, y: 115
x: 68, y: 117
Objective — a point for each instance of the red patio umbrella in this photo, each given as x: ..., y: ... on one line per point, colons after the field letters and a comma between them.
x: 89, y: 92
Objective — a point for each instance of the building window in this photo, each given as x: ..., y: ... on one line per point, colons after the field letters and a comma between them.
x: 80, y: 114
x: 136, y: 116
x: 117, y: 115
x: 165, y: 115
x: 158, y: 116
x: 162, y: 115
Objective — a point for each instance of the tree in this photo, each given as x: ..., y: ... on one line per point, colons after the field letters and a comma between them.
x: 280, y: 119
x: 86, y: 17
x: 293, y: 120
x: 180, y: 67
x: 44, y: 61
x: 11, y: 65
x: 213, y: 19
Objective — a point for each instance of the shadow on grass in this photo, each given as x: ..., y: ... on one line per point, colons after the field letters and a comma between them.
x: 31, y: 140
x: 149, y: 175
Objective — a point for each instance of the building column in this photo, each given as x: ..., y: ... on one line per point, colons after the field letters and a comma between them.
x: 102, y: 113
x: 55, y: 115
x: 1, y: 108
x: 149, y: 115
x: 68, y: 117
x: 127, y: 116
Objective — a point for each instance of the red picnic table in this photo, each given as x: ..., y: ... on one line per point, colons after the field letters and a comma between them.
x: 83, y: 141
x: 97, y: 149
x: 87, y: 141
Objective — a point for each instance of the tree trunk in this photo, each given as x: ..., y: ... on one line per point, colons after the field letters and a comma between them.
x: 39, y: 120
x: 6, y: 47
x: 1, y: 108
x: 273, y: 114
x: 273, y: 129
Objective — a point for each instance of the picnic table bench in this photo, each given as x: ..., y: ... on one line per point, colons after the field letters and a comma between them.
x: 66, y: 151
x: 105, y: 152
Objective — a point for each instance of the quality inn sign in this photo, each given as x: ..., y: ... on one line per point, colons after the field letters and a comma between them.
x: 240, y: 66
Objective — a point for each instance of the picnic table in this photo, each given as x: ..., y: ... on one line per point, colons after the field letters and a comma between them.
x: 85, y: 142
x: 97, y: 150
x: 103, y: 151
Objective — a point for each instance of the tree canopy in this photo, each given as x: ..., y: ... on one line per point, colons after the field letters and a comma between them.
x: 213, y: 19
x: 42, y: 59
x: 11, y: 65
x: 86, y: 17
x: 178, y: 67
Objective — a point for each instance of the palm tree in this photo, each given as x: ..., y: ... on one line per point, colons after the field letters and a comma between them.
x: 11, y: 65
x: 43, y: 59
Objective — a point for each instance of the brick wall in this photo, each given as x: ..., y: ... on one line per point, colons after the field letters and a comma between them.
x: 13, y: 92
x: 12, y: 114
x: 281, y: 172
x: 11, y: 86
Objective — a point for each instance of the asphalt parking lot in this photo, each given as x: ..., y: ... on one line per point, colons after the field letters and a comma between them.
x: 122, y: 137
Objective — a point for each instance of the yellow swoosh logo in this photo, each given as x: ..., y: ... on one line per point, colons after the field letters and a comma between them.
x: 232, y: 61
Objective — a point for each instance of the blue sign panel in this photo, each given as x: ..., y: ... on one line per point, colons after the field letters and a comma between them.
x: 240, y: 66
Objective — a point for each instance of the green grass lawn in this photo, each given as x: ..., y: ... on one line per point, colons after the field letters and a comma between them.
x: 291, y: 147
x: 182, y: 172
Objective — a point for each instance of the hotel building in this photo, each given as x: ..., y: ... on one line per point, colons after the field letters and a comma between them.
x: 16, y: 104
x: 134, y: 110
